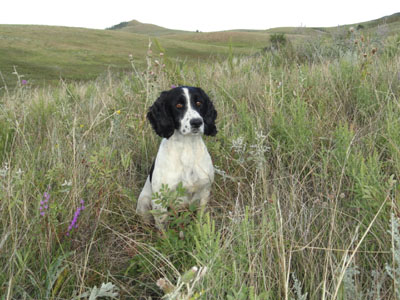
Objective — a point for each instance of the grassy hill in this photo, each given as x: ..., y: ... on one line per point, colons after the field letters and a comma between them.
x: 393, y: 19
x: 44, y: 54
x: 48, y: 53
x: 248, y: 38
x: 224, y: 38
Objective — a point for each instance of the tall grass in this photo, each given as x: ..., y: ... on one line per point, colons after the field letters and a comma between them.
x: 307, y: 161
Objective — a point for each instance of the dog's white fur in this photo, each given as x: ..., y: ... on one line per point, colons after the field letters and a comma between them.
x: 183, y: 158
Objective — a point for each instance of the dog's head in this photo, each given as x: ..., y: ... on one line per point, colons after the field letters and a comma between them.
x: 186, y: 109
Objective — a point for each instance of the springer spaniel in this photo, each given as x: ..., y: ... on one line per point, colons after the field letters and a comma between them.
x: 180, y: 115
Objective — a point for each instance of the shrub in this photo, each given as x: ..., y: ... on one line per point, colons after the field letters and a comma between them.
x: 278, y: 40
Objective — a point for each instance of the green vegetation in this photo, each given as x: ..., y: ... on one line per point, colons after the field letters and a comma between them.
x: 278, y: 40
x: 306, y: 198
x: 45, y: 54
x: 118, y: 26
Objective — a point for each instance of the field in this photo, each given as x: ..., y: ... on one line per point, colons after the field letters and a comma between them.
x: 46, y: 54
x: 305, y: 203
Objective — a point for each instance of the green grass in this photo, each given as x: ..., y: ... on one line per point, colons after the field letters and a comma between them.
x: 307, y: 159
x: 224, y: 38
x: 44, y: 54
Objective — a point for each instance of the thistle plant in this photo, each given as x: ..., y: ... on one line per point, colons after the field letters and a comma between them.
x: 254, y: 152
x: 394, y: 269
x: 259, y: 149
x: 350, y: 288
x: 239, y: 146
x: 297, y: 288
x: 108, y: 290
x: 4, y: 170
x: 184, y: 289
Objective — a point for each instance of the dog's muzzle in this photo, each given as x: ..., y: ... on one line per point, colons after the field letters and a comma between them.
x: 196, y: 125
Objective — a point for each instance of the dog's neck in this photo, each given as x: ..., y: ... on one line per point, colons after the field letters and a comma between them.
x: 189, y: 139
x: 186, y: 148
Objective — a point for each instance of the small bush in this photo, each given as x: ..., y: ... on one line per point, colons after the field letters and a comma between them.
x: 278, y: 40
x: 118, y: 26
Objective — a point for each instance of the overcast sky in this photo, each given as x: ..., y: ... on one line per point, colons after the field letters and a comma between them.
x: 203, y: 15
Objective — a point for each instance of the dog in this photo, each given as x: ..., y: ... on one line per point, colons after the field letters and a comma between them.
x: 180, y: 116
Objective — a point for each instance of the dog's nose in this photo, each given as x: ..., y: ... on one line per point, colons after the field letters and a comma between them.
x: 196, y: 123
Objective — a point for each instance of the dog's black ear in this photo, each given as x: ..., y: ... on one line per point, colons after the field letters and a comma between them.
x: 210, y: 115
x: 160, y: 117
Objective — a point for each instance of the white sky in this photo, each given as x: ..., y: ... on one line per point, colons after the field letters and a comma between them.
x: 204, y: 15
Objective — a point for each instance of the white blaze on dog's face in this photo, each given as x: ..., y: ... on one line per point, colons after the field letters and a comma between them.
x: 192, y: 122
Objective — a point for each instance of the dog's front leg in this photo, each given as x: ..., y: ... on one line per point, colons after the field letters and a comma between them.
x: 144, y: 202
x: 202, y: 197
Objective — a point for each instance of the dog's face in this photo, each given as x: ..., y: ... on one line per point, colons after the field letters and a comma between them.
x: 186, y: 109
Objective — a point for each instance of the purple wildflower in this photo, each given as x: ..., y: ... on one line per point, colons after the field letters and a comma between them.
x: 44, y: 204
x: 24, y: 82
x: 173, y: 86
x: 74, y: 221
x: 46, y: 197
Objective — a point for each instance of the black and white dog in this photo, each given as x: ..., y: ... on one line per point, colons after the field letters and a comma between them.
x: 181, y: 116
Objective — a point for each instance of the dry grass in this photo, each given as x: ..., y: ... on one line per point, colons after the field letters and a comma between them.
x: 307, y: 156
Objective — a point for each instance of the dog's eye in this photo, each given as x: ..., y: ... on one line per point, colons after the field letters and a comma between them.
x: 198, y: 103
x: 179, y: 105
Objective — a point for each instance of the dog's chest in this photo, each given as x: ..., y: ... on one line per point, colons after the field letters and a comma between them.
x: 197, y: 171
x: 189, y: 163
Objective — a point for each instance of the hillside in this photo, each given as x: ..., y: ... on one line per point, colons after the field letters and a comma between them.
x: 391, y: 19
x: 223, y: 38
x: 257, y: 39
x: 44, y: 54
x: 48, y: 53
x: 246, y: 38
